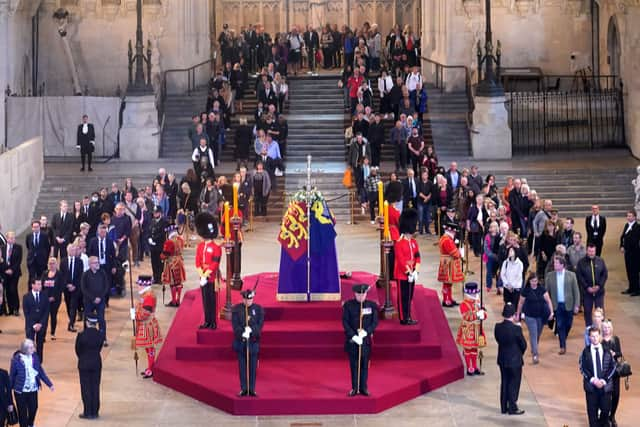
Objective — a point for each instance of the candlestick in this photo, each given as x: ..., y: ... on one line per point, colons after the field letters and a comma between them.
x: 380, y: 198
x: 235, y: 198
x: 227, y: 228
x: 387, y: 235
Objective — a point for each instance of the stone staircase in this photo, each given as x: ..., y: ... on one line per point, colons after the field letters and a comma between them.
x: 448, y: 117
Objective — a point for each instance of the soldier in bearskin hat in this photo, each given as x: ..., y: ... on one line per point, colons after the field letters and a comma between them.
x: 407, y: 264
x: 208, y: 254
x: 470, y: 333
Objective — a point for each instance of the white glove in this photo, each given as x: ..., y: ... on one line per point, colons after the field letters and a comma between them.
x: 203, y: 281
x: 413, y: 276
x: 248, y: 330
x: 362, y: 333
x: 77, y: 147
x: 132, y: 313
x: 356, y: 339
x: 462, y: 252
x: 482, y: 314
x: 151, y: 242
x: 246, y: 335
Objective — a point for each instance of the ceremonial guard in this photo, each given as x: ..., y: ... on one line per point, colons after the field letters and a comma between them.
x: 156, y: 242
x: 359, y: 319
x: 450, y: 269
x: 208, y: 254
x: 86, y: 141
x: 147, y: 328
x: 470, y: 333
x: 247, y: 319
x: 407, y: 264
x: 394, y: 234
x: 173, y: 273
x: 89, y: 343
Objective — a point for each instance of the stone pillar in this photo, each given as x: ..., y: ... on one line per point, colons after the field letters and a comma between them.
x: 317, y: 13
x: 4, y: 63
x: 139, y: 136
x: 491, y: 135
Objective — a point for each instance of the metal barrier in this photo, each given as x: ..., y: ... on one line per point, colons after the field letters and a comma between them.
x: 557, y: 121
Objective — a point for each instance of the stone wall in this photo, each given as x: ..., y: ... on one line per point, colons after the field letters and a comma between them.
x: 21, y: 174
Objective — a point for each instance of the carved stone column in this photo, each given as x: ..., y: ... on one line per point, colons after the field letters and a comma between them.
x: 317, y: 12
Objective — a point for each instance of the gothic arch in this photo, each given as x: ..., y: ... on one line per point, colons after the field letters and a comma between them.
x: 614, y: 48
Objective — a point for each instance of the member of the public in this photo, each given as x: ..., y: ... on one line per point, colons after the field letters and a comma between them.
x: 471, y: 335
x: 562, y: 286
x: 592, y: 275
x: 86, y: 141
x: 597, y: 367
x: 71, y: 269
x: 247, y: 320
x: 407, y: 264
x: 11, y: 253
x: 35, y: 305
x: 511, y: 347
x: 611, y: 343
x: 148, y: 334
x: 89, y: 343
x: 173, y: 273
x: 208, y: 254
x: 359, y: 320
x: 450, y: 268
x: 6, y: 400
x: 630, y: 248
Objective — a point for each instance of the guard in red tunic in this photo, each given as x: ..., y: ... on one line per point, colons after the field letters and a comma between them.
x: 208, y: 254
x: 394, y: 233
x: 470, y: 334
x: 450, y: 269
x: 147, y: 329
x: 407, y: 264
x: 173, y: 273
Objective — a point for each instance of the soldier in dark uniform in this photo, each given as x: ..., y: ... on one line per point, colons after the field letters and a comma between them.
x: 247, y: 340
x: 359, y: 319
x: 156, y: 242
x: 86, y: 141
x: 89, y: 342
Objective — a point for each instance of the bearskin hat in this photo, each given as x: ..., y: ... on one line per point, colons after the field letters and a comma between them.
x: 206, y: 225
x: 408, y: 221
x: 393, y: 192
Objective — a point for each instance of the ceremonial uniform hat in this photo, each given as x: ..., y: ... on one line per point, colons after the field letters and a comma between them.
x: 508, y: 310
x: 248, y: 294
x: 144, y: 283
x: 408, y: 221
x: 92, y: 318
x: 171, y: 230
x: 471, y: 288
x: 450, y: 225
x: 361, y: 288
x: 206, y: 225
x: 157, y: 209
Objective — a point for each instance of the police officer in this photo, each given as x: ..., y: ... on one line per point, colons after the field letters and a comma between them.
x: 156, y: 242
x: 89, y: 342
x: 359, y: 319
x: 247, y: 319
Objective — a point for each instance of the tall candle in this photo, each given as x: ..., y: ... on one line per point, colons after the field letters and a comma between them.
x: 380, y: 199
x: 227, y: 229
x: 387, y: 235
x: 235, y: 198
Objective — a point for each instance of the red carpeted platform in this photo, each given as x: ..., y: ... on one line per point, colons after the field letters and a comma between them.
x: 303, y: 368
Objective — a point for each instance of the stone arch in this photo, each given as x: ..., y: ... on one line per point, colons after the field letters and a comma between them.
x: 614, y: 47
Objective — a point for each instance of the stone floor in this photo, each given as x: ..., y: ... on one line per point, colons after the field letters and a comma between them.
x: 551, y: 392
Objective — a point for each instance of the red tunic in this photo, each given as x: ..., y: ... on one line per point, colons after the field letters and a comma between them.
x: 147, y: 329
x: 470, y: 333
x: 208, y: 254
x: 407, y: 255
x: 394, y: 223
x: 450, y: 269
x: 173, y: 273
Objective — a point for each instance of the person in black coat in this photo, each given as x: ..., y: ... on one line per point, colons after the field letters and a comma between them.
x: 156, y: 240
x: 71, y: 269
x: 247, y: 333
x: 596, y: 226
x: 410, y: 190
x: 359, y: 320
x: 103, y: 248
x: 52, y: 285
x: 89, y: 343
x: 86, y: 141
x: 62, y: 226
x: 376, y: 139
x: 244, y: 139
x: 38, y: 248
x: 35, y: 305
x: 511, y: 347
x: 597, y: 367
x: 630, y: 247
x: 6, y: 401
x: 11, y: 270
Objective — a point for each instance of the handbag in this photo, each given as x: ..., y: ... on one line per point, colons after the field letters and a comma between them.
x: 12, y: 417
x: 623, y: 369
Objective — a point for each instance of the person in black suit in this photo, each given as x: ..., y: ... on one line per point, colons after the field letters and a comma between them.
x: 144, y: 221
x: 410, y: 190
x: 94, y: 212
x: 511, y: 347
x: 35, y: 305
x: 53, y: 284
x: 6, y: 402
x: 247, y: 333
x: 38, y: 247
x: 86, y: 141
x: 596, y: 226
x: 630, y: 247
x: 312, y: 42
x: 103, y: 248
x: 62, y: 226
x: 266, y: 94
x: 11, y: 269
x: 71, y: 269
x: 94, y: 286
x: 597, y: 367
x: 89, y: 343
x: 156, y: 240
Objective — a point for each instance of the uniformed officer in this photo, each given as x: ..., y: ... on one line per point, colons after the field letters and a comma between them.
x: 359, y: 319
x: 247, y: 319
x: 156, y: 242
x: 208, y: 254
x: 89, y: 342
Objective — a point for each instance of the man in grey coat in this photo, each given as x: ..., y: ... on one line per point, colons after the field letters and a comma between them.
x: 562, y: 286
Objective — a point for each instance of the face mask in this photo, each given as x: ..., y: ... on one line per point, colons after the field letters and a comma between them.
x: 94, y: 199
